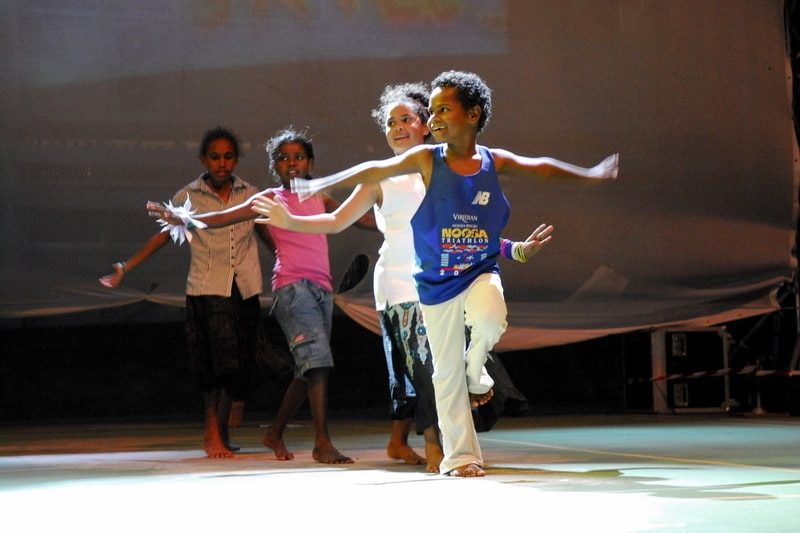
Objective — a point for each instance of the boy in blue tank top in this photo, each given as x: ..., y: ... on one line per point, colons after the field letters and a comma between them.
x: 457, y: 243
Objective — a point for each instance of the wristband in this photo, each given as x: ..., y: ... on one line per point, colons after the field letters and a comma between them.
x: 505, y: 248
x: 518, y: 252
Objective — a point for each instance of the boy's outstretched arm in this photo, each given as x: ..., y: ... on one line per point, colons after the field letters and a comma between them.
x: 512, y: 164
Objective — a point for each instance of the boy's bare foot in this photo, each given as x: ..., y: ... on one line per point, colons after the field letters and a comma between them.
x: 434, y: 455
x: 216, y: 449
x: 470, y: 470
x: 476, y: 400
x: 329, y: 455
x: 405, y: 453
x: 278, y: 446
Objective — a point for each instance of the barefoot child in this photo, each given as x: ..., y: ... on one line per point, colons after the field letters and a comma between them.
x: 302, y: 292
x: 402, y: 115
x: 457, y: 241
x: 222, y: 306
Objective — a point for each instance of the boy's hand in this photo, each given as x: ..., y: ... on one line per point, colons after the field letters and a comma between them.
x: 607, y: 168
x: 540, y: 236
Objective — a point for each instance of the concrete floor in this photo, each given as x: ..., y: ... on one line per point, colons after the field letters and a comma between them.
x: 689, y: 473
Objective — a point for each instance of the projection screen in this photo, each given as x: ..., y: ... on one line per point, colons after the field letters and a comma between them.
x: 105, y: 103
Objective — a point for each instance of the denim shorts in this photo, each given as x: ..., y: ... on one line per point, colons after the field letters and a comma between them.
x: 305, y: 312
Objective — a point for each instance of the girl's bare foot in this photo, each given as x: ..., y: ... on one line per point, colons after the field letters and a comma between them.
x: 329, y: 455
x: 470, y: 470
x: 216, y: 449
x: 398, y: 447
x: 434, y: 455
x: 476, y: 400
x: 278, y: 446
x: 404, y: 452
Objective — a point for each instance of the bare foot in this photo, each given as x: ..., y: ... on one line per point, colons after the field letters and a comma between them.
x: 216, y: 449
x: 476, y: 400
x: 236, y: 415
x: 330, y: 455
x: 434, y: 455
x: 278, y: 446
x: 470, y: 470
x: 405, y: 453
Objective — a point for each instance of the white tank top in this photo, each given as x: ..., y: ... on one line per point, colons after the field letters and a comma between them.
x: 394, y: 269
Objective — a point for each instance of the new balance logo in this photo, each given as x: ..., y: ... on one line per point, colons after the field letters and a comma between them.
x: 482, y: 198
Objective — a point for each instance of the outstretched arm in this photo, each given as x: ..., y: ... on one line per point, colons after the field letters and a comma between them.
x: 232, y: 215
x: 547, y: 167
x: 365, y: 221
x: 154, y: 244
x: 352, y: 210
x: 417, y: 159
x: 212, y: 219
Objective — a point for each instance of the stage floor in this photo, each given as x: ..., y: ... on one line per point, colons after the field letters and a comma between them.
x: 689, y: 473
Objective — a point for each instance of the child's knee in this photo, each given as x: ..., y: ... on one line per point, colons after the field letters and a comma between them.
x: 488, y: 328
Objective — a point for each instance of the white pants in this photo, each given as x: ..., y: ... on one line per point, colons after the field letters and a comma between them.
x: 459, y: 370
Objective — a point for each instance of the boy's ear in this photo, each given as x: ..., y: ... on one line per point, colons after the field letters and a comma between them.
x: 474, y: 113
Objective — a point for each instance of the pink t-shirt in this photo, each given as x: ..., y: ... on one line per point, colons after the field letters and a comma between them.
x: 298, y: 255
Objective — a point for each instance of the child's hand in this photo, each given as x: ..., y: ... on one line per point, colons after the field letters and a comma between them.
x: 112, y: 281
x: 607, y: 168
x: 163, y: 213
x: 304, y: 189
x: 176, y: 219
x: 272, y: 212
x: 540, y: 236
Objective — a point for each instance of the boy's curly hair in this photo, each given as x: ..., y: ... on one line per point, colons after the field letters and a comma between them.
x: 472, y: 91
x: 416, y: 94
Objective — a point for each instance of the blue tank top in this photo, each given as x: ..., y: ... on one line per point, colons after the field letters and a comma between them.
x: 457, y: 228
